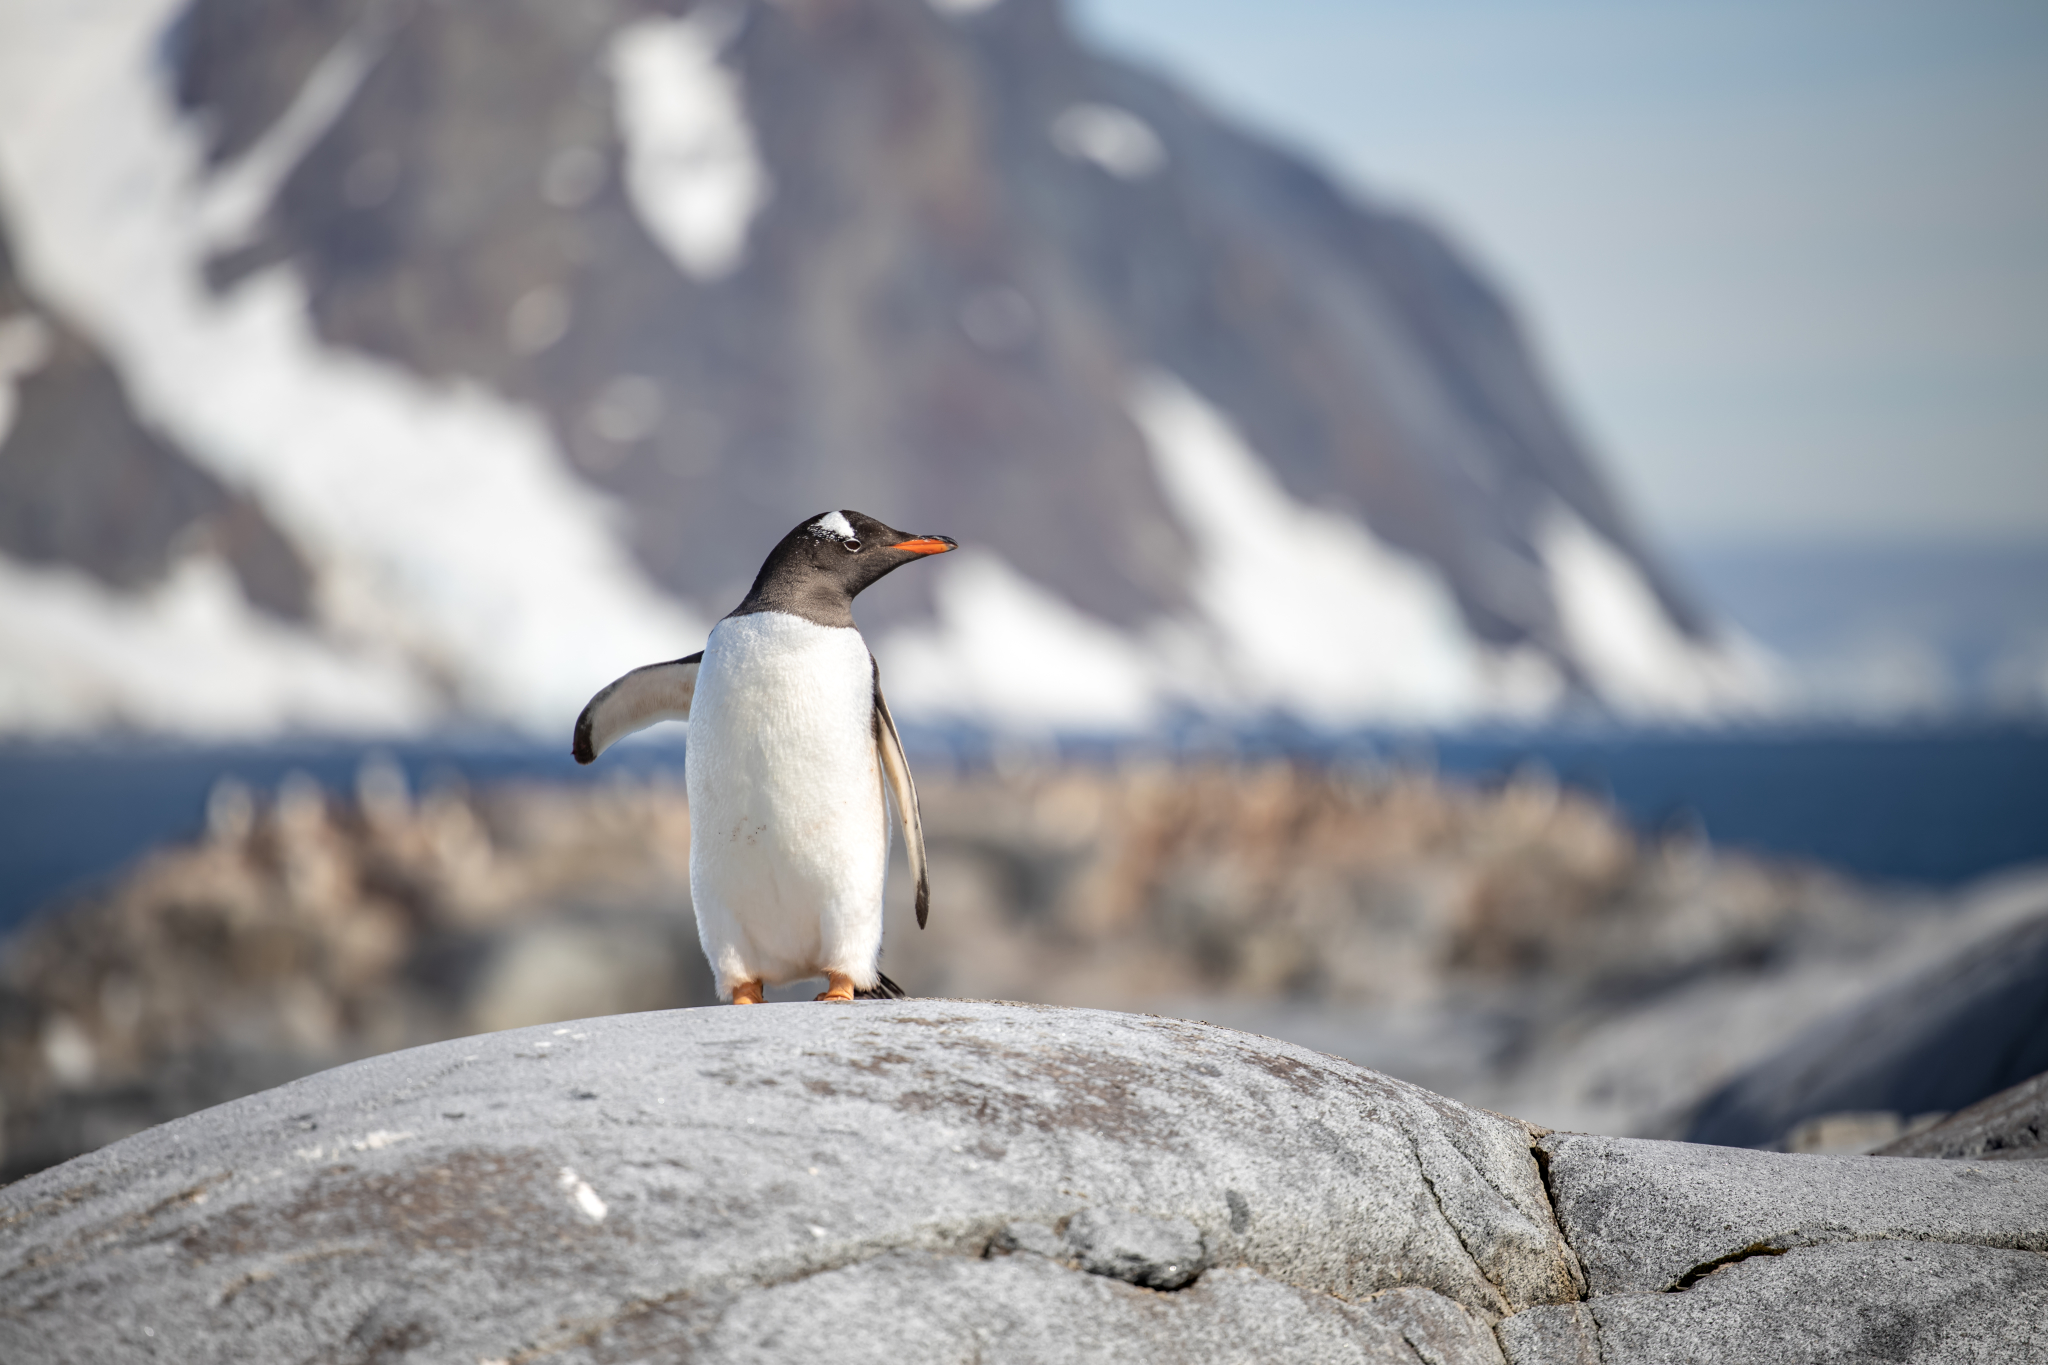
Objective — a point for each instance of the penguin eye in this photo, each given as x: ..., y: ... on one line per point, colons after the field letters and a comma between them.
x: 852, y: 546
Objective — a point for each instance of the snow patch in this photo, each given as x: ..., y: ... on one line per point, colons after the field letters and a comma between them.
x: 692, y: 170
x: 1005, y: 649
x: 1115, y: 139
x: 437, y: 518
x: 1636, y: 657
x: 1310, y: 611
x: 1297, y: 609
x: 189, y: 655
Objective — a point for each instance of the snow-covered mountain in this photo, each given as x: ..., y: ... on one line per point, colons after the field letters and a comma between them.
x: 369, y: 364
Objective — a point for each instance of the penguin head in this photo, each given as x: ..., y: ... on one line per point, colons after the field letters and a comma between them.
x: 820, y: 567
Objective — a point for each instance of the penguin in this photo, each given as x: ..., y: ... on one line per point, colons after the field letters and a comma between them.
x: 791, y: 748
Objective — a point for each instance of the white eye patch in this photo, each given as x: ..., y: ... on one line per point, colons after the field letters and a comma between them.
x: 833, y: 524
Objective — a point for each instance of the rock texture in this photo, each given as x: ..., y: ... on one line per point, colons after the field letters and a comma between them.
x: 1695, y: 1253
x: 1973, y: 1024
x: 2010, y: 1126
x: 706, y: 1180
x: 917, y: 1306
x: 1648, y: 1217
x: 1903, y: 1303
x: 946, y: 1180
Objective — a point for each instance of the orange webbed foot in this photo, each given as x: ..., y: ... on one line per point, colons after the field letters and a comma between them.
x: 838, y: 988
x: 747, y: 993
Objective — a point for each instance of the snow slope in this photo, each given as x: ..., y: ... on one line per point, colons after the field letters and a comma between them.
x: 442, y: 521
x: 465, y: 568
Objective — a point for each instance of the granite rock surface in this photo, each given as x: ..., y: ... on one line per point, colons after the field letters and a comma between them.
x: 2009, y: 1126
x: 1902, y: 1302
x: 1696, y: 1253
x: 1970, y: 1025
x: 948, y: 1180
x: 559, y: 1192
x: 1649, y: 1216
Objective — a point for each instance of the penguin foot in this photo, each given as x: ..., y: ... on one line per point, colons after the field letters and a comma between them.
x: 747, y: 993
x: 839, y: 987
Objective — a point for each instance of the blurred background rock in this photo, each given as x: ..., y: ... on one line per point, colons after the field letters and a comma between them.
x: 1659, y: 752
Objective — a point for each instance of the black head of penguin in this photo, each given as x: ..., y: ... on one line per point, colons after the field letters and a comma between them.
x: 819, y: 568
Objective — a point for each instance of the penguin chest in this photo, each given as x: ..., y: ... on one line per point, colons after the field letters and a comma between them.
x: 787, y: 822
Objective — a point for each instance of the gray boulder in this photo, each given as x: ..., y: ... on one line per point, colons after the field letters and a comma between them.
x: 1965, y: 1029
x: 1659, y: 1216
x: 1904, y: 1303
x: 700, y: 1181
x: 1696, y: 1253
x: 919, y: 1306
x: 944, y: 1180
x: 2010, y: 1126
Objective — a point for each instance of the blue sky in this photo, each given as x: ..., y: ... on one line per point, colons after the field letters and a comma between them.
x: 1787, y: 261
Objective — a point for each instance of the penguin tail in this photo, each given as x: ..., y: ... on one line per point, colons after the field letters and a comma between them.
x: 883, y: 989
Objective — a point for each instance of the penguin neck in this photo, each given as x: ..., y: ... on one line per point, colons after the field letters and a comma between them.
x: 819, y: 601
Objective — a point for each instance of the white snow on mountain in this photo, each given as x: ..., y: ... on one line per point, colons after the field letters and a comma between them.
x: 1297, y: 609
x: 1004, y: 647
x: 461, y: 568
x: 438, y: 519
x: 1115, y: 139
x: 692, y: 170
x: 188, y: 656
x: 1642, y: 665
x: 1309, y: 611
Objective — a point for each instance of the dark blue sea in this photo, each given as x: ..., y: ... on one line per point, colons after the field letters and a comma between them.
x: 1936, y: 805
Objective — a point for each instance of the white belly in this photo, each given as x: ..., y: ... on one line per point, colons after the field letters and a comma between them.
x: 789, y: 837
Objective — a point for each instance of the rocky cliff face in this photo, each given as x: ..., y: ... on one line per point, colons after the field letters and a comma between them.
x: 530, y: 324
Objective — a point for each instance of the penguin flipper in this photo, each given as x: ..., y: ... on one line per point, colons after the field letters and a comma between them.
x: 657, y: 692
x: 897, y: 769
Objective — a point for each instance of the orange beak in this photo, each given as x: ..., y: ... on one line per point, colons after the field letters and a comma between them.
x: 927, y: 545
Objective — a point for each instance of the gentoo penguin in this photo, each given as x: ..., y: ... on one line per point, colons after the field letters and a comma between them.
x: 790, y: 746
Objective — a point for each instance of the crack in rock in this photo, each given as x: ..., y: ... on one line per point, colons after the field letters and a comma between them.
x: 1651, y: 1217
x: 1429, y: 1187
x: 1706, y: 1268
x: 1034, y: 1239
